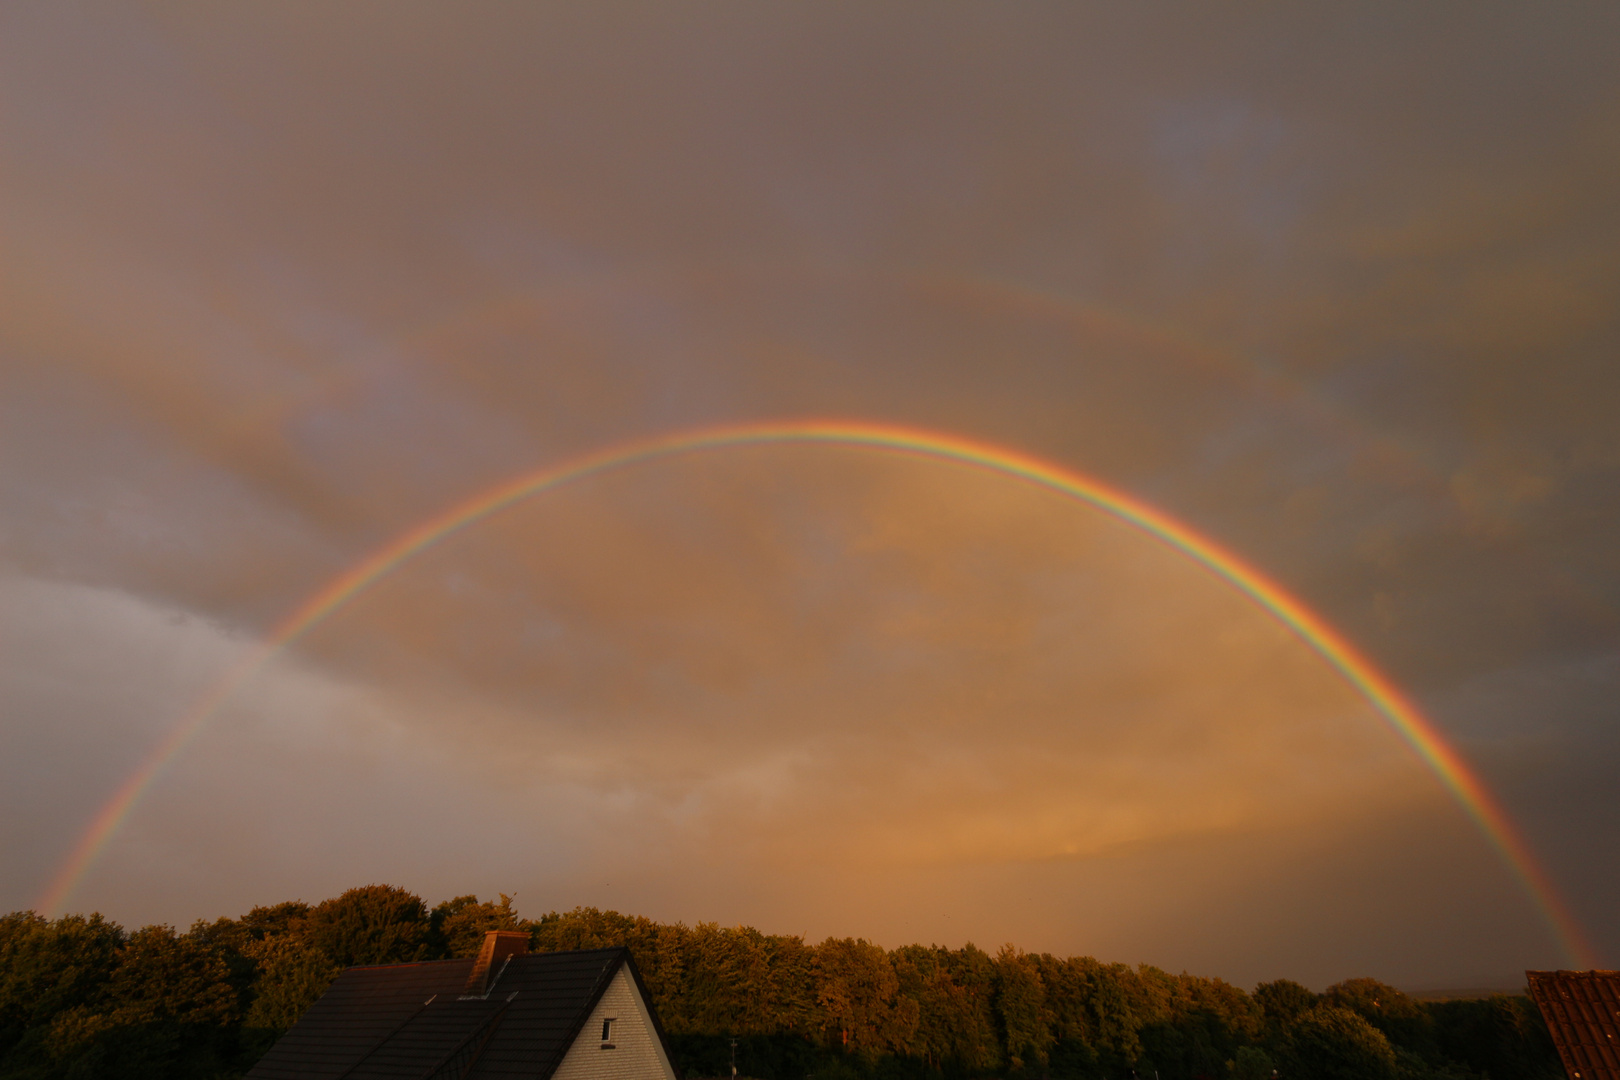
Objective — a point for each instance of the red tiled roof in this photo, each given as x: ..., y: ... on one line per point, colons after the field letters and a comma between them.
x: 1582, y: 1009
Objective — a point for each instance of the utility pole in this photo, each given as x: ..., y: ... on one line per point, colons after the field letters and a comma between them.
x: 733, y: 1059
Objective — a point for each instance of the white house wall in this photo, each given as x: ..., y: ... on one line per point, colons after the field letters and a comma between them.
x: 636, y: 1055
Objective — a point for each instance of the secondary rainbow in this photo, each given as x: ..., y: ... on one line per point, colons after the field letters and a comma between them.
x: 1404, y: 717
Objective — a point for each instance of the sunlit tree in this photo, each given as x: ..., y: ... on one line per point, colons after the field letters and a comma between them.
x: 374, y: 924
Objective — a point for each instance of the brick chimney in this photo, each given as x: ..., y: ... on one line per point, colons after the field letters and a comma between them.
x: 498, y: 945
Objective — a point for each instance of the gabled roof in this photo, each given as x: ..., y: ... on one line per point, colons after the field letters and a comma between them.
x: 414, y: 1020
x: 1582, y: 1010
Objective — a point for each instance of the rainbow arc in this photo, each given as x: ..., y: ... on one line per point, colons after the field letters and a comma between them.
x: 1382, y: 694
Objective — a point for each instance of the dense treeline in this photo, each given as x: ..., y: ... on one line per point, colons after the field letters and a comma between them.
x: 82, y: 998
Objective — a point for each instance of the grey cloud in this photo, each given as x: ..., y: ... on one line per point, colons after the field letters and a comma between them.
x: 1335, y: 286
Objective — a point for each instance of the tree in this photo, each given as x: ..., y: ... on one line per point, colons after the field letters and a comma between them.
x: 81, y: 998
x: 291, y: 976
x: 1021, y: 1002
x: 859, y: 994
x: 374, y: 924
x: 170, y: 1008
x: 1283, y: 1001
x: 1330, y: 1042
x: 459, y: 925
x: 1402, y: 1020
x: 48, y: 969
x: 96, y: 1002
x: 590, y: 928
x: 287, y: 918
x: 1251, y: 1063
x: 173, y: 978
x: 1500, y: 1036
x: 729, y: 986
x: 954, y: 995
x: 1118, y: 1010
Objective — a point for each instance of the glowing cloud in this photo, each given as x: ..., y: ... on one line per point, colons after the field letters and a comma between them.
x: 1398, y: 712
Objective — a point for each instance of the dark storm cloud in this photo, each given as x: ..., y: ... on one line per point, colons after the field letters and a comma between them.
x: 1337, y: 286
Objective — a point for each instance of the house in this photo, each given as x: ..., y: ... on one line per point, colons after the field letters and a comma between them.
x: 508, y: 1013
x: 1582, y: 1010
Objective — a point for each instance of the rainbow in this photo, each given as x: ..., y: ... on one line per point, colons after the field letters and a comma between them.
x: 1398, y: 712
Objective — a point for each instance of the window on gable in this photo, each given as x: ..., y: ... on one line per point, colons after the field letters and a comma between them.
x: 607, y: 1032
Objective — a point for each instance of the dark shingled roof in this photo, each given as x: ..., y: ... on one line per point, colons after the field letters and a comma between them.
x: 1582, y: 1009
x: 413, y: 1021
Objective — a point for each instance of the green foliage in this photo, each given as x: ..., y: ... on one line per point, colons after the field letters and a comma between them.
x: 170, y: 1009
x: 1403, y: 1021
x: 291, y: 976
x: 1250, y: 1063
x: 374, y: 924
x: 1282, y: 1002
x: 277, y: 920
x: 860, y: 997
x: 81, y: 998
x: 1026, y: 1027
x: 51, y: 969
x: 458, y: 926
x: 955, y: 997
x: 1500, y: 1036
x: 1330, y: 1042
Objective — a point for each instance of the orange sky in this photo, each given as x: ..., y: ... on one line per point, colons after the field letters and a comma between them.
x: 1337, y: 288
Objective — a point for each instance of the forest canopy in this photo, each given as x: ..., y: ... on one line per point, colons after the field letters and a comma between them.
x: 81, y: 997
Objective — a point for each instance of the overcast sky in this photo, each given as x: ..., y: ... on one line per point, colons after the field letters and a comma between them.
x: 1337, y: 286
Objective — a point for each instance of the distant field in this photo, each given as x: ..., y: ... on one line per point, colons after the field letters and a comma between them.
x: 1469, y: 994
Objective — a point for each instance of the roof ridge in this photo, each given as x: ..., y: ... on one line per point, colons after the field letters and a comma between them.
x: 604, y: 979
